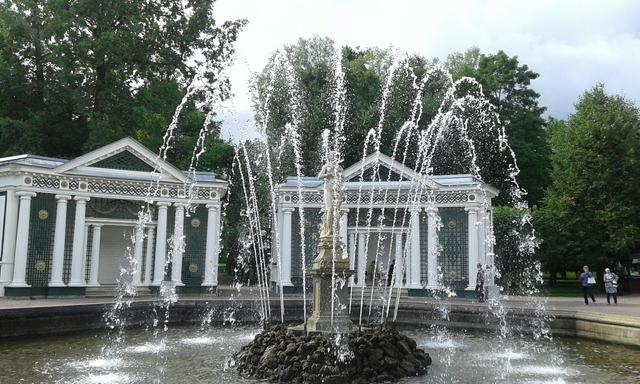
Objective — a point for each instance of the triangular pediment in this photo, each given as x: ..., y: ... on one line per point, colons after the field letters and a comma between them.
x: 388, y: 169
x: 125, y: 156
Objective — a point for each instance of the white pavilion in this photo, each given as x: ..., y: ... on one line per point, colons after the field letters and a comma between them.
x: 67, y: 225
x: 407, y: 223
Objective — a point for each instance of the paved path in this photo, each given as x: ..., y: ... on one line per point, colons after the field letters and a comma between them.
x: 627, y: 305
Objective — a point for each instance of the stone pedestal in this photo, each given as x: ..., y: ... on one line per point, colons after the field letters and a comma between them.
x: 321, y: 272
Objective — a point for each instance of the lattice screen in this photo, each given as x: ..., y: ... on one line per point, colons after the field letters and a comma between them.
x: 453, y: 237
x: 195, y: 231
x: 312, y: 217
x: 40, y: 250
x: 124, y: 160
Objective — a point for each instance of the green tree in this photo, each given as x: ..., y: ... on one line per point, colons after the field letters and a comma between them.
x: 590, y: 211
x: 76, y: 72
x: 507, y: 84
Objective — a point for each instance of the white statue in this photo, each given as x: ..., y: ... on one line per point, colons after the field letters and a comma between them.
x: 331, y: 173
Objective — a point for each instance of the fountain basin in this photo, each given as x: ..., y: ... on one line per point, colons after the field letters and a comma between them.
x: 378, y: 355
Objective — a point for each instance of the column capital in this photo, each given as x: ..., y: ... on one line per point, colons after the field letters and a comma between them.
x: 63, y: 197
x: 81, y: 198
x: 415, y: 209
x: 288, y: 209
x: 432, y: 210
x: 25, y: 195
x: 180, y: 205
x: 163, y: 204
x: 472, y: 209
x: 212, y: 206
x: 96, y: 225
x: 344, y: 210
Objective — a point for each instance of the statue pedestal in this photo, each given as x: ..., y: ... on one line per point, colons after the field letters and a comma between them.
x: 321, y: 272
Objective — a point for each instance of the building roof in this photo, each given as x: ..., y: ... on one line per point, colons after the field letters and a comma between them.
x: 405, y: 177
x: 111, y: 161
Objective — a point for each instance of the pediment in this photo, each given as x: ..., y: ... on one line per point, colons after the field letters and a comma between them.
x: 388, y: 169
x: 125, y: 157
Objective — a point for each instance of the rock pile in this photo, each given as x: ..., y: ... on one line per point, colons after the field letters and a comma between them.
x: 379, y: 355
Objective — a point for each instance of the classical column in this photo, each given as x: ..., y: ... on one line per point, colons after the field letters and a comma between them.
x: 137, y: 254
x: 149, y: 255
x: 414, y: 264
x: 482, y: 238
x: 344, y: 226
x: 398, y: 267
x: 352, y: 257
x: 161, y: 244
x: 432, y: 256
x: 77, y: 253
x: 95, y: 255
x: 472, y: 216
x: 57, y: 261
x: 490, y: 256
x: 285, y: 246
x: 178, y: 245
x: 9, y: 243
x: 362, y: 267
x: 22, y: 240
x: 212, y: 246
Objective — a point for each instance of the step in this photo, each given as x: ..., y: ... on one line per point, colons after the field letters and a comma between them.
x: 112, y: 291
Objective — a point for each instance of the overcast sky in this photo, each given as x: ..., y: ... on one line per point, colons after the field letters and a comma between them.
x: 572, y: 44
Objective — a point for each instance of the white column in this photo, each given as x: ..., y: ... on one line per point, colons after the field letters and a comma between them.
x: 362, y: 267
x: 212, y: 246
x: 149, y: 255
x: 95, y: 255
x: 472, y: 217
x: 344, y: 225
x: 77, y: 275
x: 352, y: 257
x: 432, y: 256
x: 161, y: 244
x: 285, y: 245
x: 137, y: 254
x: 490, y: 256
x: 482, y: 238
x: 399, y: 265
x: 9, y: 243
x: 57, y: 262
x: 414, y: 264
x: 178, y: 245
x: 22, y: 240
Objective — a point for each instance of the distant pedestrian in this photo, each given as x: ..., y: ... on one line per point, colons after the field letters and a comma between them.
x: 480, y: 284
x: 588, y: 281
x: 391, y: 268
x: 611, y: 285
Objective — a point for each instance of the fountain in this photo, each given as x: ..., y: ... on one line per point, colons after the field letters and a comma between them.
x: 326, y: 348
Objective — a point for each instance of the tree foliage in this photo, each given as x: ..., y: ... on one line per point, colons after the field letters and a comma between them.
x: 590, y: 213
x: 75, y: 75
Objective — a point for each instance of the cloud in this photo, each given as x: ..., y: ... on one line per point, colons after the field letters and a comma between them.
x: 572, y: 44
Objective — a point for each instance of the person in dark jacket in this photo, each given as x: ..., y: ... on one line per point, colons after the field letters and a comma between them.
x: 586, y: 279
x: 480, y: 284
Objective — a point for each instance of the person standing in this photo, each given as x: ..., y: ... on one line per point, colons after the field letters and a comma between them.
x: 611, y: 285
x: 480, y: 284
x: 588, y: 281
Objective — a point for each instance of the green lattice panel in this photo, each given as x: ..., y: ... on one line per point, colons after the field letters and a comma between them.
x: 312, y: 218
x: 114, y: 209
x: 124, y: 160
x: 68, y: 240
x: 424, y: 247
x: 453, y: 237
x: 195, y: 231
x: 41, y: 230
x: 384, y: 174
